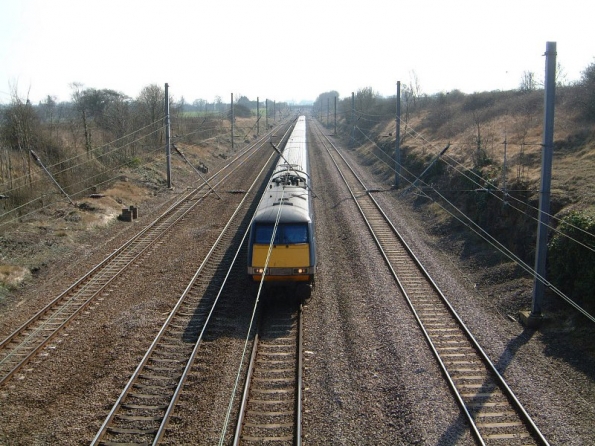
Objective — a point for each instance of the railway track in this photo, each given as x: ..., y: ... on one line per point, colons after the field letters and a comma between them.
x: 491, y: 408
x: 271, y: 404
x: 142, y: 412
x: 35, y: 334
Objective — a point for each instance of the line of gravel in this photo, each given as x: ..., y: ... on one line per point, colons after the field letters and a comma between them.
x: 548, y: 371
x: 369, y: 376
x: 63, y: 396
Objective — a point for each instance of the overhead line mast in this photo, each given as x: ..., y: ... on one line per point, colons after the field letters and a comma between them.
x: 535, y: 318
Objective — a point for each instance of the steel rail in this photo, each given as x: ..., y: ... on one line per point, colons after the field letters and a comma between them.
x: 183, y: 304
x: 299, y: 384
x: 267, y: 419
x: 36, y: 333
x: 166, y: 409
x: 192, y: 358
x: 245, y: 393
x: 492, y: 370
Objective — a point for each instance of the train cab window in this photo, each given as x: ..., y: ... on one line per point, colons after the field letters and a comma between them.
x: 287, y: 234
x: 293, y: 233
x: 263, y: 233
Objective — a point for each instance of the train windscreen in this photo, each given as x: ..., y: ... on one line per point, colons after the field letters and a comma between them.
x: 287, y: 234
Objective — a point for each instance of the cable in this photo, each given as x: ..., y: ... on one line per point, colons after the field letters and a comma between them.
x: 70, y: 186
x: 95, y: 149
x: 498, y: 246
x: 148, y: 162
x: 75, y: 166
x: 504, y: 193
x: 52, y: 203
x: 492, y: 187
x: 252, y: 317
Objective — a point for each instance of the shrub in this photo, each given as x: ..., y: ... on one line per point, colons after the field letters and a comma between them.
x: 570, y: 259
x: 240, y: 111
x: 133, y: 162
x: 585, y: 93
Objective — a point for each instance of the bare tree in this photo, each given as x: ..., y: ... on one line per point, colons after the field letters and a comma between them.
x: 150, y: 104
x: 218, y: 104
x: 561, y: 76
x: 49, y: 110
x: 586, y: 88
x: 19, y: 131
x: 528, y: 82
x: 414, y: 87
x: 365, y: 99
x: 200, y: 104
x: 79, y: 104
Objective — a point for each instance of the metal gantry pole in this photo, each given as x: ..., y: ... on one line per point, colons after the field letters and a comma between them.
x: 352, y: 140
x: 398, y: 138
x: 335, y: 115
x: 353, y: 108
x: 546, y: 176
x: 232, y: 121
x: 504, y: 168
x: 38, y: 160
x: 167, y: 137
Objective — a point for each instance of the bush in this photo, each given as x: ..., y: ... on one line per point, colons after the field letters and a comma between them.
x: 570, y: 259
x: 240, y: 111
x: 133, y: 162
x: 587, y: 92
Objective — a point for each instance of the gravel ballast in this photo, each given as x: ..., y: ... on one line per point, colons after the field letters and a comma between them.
x: 369, y: 376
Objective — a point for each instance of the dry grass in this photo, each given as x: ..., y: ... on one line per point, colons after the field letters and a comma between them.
x: 573, y: 170
x: 11, y: 276
x: 34, y: 240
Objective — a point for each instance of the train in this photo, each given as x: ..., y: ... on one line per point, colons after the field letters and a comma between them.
x: 284, y: 220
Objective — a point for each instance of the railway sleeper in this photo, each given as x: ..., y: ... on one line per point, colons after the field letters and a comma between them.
x: 135, y: 418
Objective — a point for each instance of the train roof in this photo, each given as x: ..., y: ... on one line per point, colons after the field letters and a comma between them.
x: 290, y: 213
x: 295, y: 153
x: 288, y: 190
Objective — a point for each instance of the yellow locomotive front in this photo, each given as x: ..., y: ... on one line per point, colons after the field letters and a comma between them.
x: 290, y: 255
x: 282, y: 243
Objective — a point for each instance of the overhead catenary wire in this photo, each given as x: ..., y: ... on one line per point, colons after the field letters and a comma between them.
x: 252, y: 320
x: 500, y: 247
x: 496, y: 244
x: 481, y: 187
x: 37, y: 210
x: 89, y: 160
x: 67, y: 160
x: 492, y: 187
x: 69, y: 168
x: 77, y: 193
x: 73, y: 184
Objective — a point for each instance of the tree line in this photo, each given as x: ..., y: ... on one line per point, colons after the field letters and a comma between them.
x: 485, y: 184
x: 83, y: 142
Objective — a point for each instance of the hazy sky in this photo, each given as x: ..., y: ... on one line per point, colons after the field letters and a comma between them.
x: 285, y: 50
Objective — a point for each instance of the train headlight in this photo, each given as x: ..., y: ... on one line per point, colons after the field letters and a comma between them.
x: 300, y: 271
x: 258, y: 270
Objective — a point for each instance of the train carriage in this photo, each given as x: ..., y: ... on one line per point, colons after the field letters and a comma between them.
x: 284, y: 219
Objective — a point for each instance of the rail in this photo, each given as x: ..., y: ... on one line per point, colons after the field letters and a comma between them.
x: 491, y: 408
